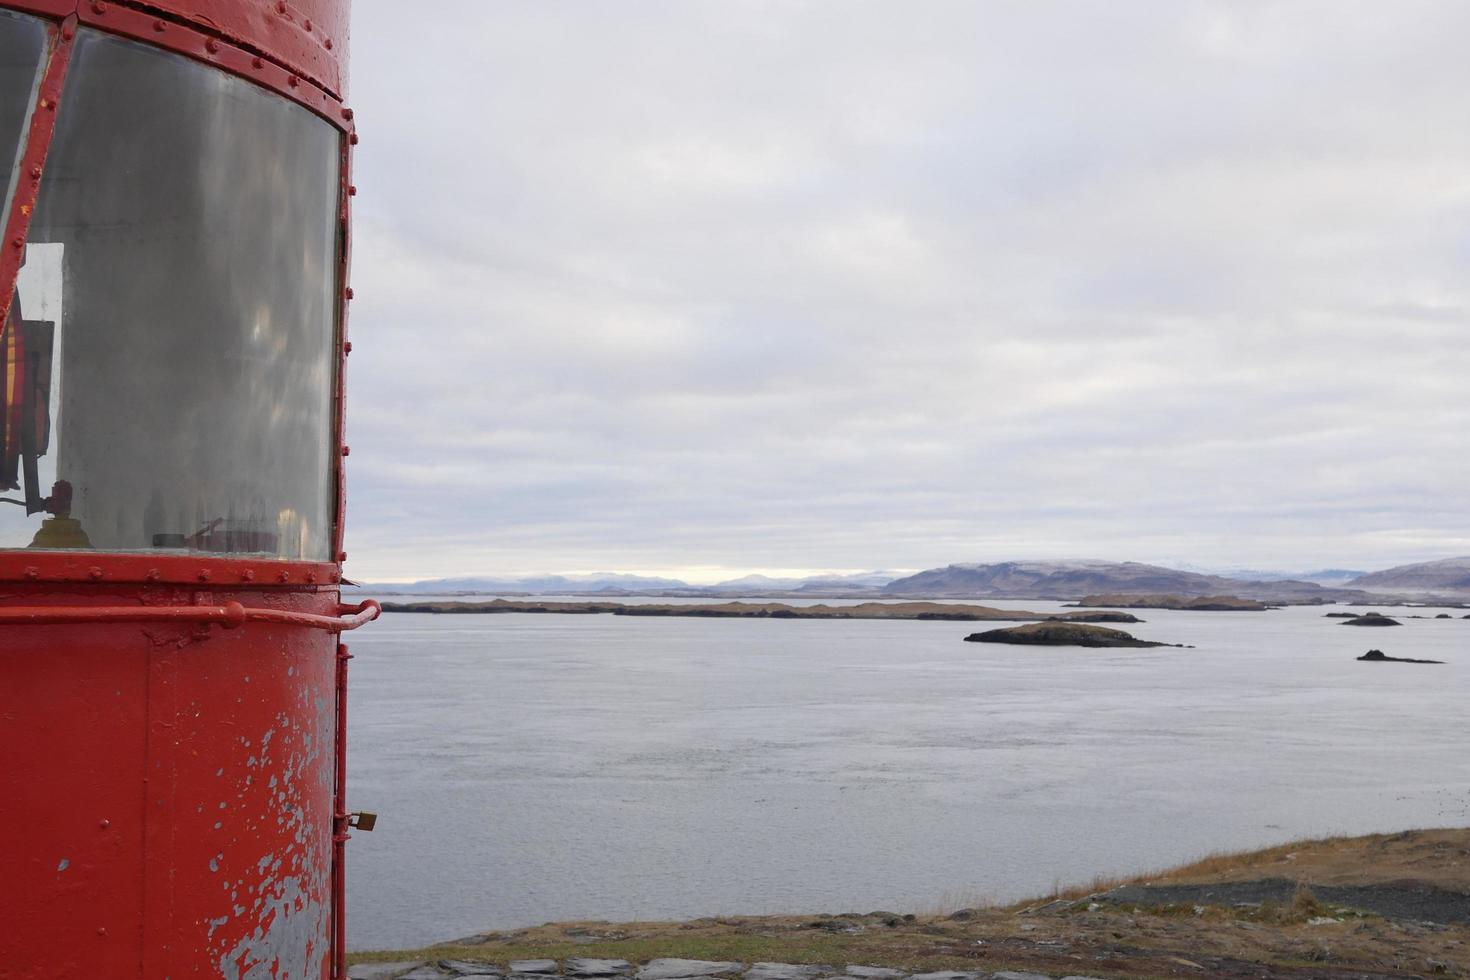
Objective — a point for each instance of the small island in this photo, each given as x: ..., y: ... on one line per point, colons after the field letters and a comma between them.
x: 1371, y: 619
x: 761, y: 610
x: 1190, y: 603
x: 1060, y: 634
x: 1378, y: 656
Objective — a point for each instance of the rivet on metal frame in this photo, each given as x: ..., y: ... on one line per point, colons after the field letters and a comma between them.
x: 284, y: 576
x: 153, y: 575
x: 203, y: 575
x: 159, y: 26
x: 257, y: 62
x: 346, y: 450
x: 212, y: 46
x: 99, y: 8
x: 248, y: 575
x: 347, y: 347
x: 307, y: 25
x: 32, y: 572
x: 94, y: 573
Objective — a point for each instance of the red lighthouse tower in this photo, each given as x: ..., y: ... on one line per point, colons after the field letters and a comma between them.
x: 173, y: 284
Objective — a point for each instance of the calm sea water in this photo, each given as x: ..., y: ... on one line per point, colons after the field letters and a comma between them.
x: 529, y: 768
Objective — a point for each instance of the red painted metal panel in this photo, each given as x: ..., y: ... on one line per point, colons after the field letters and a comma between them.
x: 172, y: 727
x: 54, y: 8
x: 173, y: 787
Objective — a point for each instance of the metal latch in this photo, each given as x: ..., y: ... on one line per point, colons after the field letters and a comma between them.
x: 362, y: 820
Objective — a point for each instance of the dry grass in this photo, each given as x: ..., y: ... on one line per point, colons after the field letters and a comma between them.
x: 1105, y: 941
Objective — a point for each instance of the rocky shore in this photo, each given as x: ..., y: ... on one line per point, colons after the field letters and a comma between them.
x: 666, y: 968
x: 1361, y: 908
x: 1207, y: 603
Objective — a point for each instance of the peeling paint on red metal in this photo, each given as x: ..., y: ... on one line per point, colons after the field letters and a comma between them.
x: 341, y: 821
x: 176, y: 790
x: 190, y: 833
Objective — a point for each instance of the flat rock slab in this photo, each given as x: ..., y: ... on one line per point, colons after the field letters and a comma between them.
x: 787, y: 971
x: 468, y: 968
x: 380, y: 971
x: 874, y: 973
x: 1017, y: 975
x: 582, y: 966
x: 423, y: 973
x: 944, y: 975
x: 533, y: 967
x: 676, y: 969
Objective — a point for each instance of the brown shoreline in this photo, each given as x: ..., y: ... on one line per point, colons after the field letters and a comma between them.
x: 763, y: 610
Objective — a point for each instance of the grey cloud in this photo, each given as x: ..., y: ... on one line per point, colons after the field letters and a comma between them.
x: 833, y: 284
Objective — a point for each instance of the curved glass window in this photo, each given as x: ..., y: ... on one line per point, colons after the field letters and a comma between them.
x: 174, y: 318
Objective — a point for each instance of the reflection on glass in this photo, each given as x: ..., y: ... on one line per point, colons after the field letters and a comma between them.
x: 182, y: 260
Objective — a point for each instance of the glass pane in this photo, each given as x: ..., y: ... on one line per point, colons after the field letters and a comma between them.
x: 180, y: 285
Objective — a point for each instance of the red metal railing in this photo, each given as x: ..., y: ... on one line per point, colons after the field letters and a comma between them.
x: 227, y: 615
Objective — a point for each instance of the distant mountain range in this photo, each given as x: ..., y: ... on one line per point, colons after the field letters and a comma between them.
x: 1445, y: 575
x: 618, y: 583
x: 1072, y: 579
x: 533, y: 585
x: 1069, y: 579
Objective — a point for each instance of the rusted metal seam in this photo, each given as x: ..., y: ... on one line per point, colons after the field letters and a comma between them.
x: 228, y: 615
x: 42, y: 126
x: 341, y: 821
x: 199, y: 45
x: 203, y: 25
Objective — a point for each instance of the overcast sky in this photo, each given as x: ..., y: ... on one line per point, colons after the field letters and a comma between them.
x: 701, y: 288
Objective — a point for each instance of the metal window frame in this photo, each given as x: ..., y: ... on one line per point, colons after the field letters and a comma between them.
x: 64, y: 18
